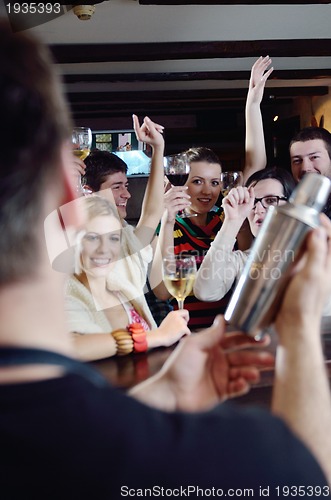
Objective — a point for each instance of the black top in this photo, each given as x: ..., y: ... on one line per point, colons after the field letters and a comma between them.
x: 70, y: 437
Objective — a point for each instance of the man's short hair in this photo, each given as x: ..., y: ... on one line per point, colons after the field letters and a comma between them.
x: 99, y: 165
x: 311, y: 133
x: 34, y: 126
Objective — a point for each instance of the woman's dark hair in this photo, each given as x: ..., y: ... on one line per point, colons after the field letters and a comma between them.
x: 277, y: 173
x: 99, y: 164
x: 202, y: 154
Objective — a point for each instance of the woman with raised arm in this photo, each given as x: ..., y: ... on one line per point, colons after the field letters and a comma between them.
x: 199, y: 196
x: 223, y: 264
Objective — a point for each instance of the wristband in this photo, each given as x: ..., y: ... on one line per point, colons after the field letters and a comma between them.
x: 138, y: 335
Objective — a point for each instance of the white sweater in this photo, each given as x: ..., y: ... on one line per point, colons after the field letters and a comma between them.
x: 219, y: 270
x: 221, y: 267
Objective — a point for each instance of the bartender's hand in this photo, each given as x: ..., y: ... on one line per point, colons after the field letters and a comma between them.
x: 310, y: 285
x: 205, y: 369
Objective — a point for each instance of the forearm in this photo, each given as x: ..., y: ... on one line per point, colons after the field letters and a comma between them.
x: 217, y: 271
x: 301, y: 392
x: 255, y: 152
x: 164, y: 248
x: 90, y: 347
x: 155, y: 392
x: 152, y: 205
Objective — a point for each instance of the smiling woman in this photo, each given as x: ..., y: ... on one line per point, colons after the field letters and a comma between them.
x: 106, y: 312
x: 223, y: 265
x: 194, y: 235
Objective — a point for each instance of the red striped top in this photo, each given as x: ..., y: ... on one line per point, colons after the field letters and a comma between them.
x: 196, y: 240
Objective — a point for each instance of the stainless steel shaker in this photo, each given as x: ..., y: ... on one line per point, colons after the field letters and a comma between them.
x: 259, y: 291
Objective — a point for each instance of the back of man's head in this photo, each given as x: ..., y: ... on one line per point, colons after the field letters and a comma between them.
x: 34, y: 126
x: 312, y: 133
x: 99, y: 165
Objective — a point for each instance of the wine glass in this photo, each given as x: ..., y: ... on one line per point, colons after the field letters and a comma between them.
x: 178, y: 275
x: 177, y: 168
x: 81, y: 139
x: 230, y: 180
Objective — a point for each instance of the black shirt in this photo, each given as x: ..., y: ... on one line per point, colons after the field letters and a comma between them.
x: 67, y: 438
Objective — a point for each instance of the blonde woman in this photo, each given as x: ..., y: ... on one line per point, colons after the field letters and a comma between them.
x: 100, y: 299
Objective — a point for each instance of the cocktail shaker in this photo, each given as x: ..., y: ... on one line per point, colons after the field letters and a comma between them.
x: 261, y: 285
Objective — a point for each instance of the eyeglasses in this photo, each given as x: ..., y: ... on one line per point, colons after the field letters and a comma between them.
x: 269, y: 201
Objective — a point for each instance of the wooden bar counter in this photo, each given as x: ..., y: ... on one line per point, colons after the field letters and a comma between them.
x: 125, y: 372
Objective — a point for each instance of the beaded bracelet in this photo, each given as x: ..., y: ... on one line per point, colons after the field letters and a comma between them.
x: 124, y: 342
x: 131, y: 340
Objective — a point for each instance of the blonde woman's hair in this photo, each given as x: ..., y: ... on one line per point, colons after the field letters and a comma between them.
x: 94, y: 206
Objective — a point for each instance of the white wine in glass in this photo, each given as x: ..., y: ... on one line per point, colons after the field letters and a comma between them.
x: 178, y: 276
x: 81, y: 153
x: 81, y: 139
x: 231, y: 180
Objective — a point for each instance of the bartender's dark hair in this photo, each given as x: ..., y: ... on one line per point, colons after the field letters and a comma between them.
x: 33, y: 127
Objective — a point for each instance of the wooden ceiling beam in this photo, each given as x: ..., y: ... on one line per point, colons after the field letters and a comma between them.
x: 233, y: 2
x: 166, y: 96
x: 181, y: 76
x: 83, y: 53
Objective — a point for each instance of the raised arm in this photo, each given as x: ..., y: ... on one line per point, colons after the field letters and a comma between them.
x: 302, y: 392
x: 222, y: 265
x: 256, y: 158
x: 152, y: 207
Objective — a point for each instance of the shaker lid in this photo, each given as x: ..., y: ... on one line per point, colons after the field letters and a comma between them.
x: 313, y: 191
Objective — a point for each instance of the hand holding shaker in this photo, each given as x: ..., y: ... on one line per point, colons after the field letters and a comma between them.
x: 260, y: 288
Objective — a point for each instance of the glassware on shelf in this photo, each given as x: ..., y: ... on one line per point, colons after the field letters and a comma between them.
x: 231, y: 179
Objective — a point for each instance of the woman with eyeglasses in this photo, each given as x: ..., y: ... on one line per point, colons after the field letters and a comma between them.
x: 222, y: 264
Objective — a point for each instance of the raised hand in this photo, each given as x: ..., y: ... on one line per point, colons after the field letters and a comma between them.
x: 148, y: 131
x: 238, y: 203
x: 77, y: 167
x: 255, y: 157
x: 175, y: 200
x: 259, y: 75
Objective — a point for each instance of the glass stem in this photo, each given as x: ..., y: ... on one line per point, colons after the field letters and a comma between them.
x: 180, y: 303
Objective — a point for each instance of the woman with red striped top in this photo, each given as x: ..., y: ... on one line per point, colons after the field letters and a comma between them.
x: 194, y: 235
